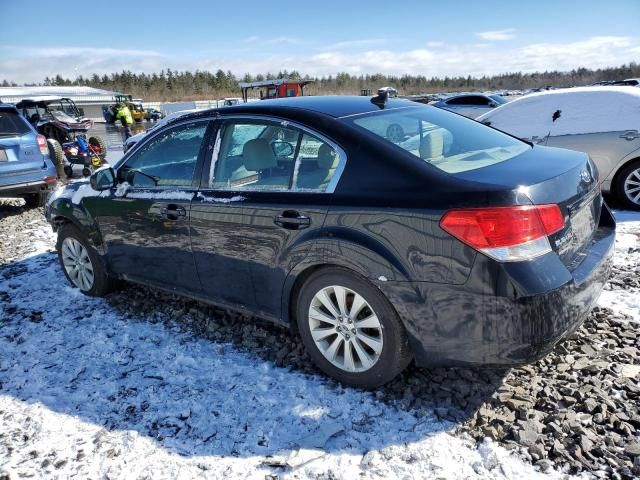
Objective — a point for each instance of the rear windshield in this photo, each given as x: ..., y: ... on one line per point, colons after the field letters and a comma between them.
x: 12, y: 124
x: 445, y: 140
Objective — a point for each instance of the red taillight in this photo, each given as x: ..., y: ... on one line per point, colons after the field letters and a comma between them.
x: 42, y: 144
x: 503, y: 227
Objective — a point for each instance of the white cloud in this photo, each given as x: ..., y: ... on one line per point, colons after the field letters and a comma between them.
x: 32, y: 65
x: 497, y: 35
x: 350, y: 44
x: 270, y: 41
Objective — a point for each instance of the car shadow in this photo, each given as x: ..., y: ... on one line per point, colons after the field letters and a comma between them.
x: 10, y: 207
x: 200, y: 380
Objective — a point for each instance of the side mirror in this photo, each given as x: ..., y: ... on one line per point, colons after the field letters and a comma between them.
x: 103, y: 179
x: 493, y: 104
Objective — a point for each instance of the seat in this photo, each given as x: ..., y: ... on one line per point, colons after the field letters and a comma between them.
x: 258, y: 156
x: 319, y: 178
x: 432, y: 146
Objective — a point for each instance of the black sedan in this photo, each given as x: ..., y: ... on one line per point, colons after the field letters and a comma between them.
x: 453, y: 244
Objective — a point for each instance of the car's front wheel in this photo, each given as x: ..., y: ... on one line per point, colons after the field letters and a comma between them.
x: 350, y: 330
x: 80, y: 262
x: 628, y: 185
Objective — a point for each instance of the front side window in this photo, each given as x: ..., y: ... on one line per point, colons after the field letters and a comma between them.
x: 449, y: 142
x: 271, y: 156
x: 168, y: 159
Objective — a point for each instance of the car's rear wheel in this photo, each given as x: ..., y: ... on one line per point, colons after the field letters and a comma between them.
x: 350, y: 330
x: 36, y: 200
x: 628, y: 185
x: 80, y: 262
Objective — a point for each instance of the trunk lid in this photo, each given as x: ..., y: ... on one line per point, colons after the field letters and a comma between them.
x: 546, y: 175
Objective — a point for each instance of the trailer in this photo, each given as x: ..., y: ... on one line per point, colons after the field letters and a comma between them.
x: 278, y: 88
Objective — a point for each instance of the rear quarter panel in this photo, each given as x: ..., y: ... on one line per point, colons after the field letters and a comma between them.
x: 606, y: 149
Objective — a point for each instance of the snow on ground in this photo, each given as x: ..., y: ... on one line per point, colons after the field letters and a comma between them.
x: 88, y: 389
x: 625, y: 301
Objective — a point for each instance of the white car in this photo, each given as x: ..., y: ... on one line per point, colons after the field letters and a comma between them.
x: 601, y: 121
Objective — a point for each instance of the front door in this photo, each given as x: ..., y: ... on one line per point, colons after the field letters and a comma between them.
x: 266, y: 200
x: 153, y: 197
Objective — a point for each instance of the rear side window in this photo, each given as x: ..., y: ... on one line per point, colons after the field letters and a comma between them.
x: 270, y: 156
x: 12, y: 124
x: 449, y: 142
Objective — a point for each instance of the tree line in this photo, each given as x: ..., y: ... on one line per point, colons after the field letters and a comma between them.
x: 170, y: 85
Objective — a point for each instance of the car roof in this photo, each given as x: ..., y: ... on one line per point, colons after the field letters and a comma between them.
x: 8, y: 106
x: 334, y: 106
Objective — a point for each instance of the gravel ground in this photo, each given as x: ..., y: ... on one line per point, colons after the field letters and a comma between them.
x: 574, y: 412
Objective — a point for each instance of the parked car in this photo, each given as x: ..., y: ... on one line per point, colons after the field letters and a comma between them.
x: 471, y: 105
x: 482, y: 250
x: 25, y: 168
x: 601, y: 121
x: 133, y: 139
x: 152, y: 114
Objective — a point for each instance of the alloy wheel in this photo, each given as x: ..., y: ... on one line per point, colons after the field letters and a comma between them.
x: 77, y: 263
x: 632, y: 186
x: 345, y: 329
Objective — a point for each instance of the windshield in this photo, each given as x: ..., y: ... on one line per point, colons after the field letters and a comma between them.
x: 447, y: 141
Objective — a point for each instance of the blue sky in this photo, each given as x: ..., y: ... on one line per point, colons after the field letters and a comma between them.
x: 433, y: 38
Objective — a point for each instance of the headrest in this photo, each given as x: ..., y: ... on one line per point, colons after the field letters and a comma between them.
x: 432, y: 145
x: 327, y: 157
x: 258, y: 155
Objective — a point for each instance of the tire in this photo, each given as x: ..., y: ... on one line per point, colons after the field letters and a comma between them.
x: 627, y: 186
x: 101, y: 284
x: 99, y: 144
x: 86, y: 172
x: 68, y: 171
x: 36, y: 200
x: 383, y: 365
x: 57, y: 156
x: 395, y: 133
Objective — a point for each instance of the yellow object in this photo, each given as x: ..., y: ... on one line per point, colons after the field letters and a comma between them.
x: 124, y: 114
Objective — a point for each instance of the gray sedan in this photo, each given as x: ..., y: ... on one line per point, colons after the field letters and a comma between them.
x: 601, y: 121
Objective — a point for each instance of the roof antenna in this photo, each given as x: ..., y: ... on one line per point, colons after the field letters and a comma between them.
x: 381, y: 99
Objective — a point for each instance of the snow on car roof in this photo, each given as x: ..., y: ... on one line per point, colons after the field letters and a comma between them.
x: 582, y: 110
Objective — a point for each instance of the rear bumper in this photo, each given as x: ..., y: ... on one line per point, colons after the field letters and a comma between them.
x: 507, y: 313
x: 26, y: 188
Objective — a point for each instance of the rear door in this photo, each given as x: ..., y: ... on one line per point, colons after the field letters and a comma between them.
x: 281, y: 176
x: 19, y: 152
x: 153, y: 201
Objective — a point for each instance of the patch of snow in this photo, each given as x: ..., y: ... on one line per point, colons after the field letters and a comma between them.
x: 84, y: 191
x: 169, y: 194
x: 235, y: 198
x: 583, y: 110
x: 625, y: 301
x: 121, y: 189
x: 104, y: 392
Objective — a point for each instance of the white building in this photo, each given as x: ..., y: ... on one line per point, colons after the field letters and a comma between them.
x: 90, y: 99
